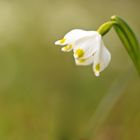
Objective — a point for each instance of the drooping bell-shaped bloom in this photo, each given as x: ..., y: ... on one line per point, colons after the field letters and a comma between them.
x: 88, y: 48
x: 71, y: 37
x: 101, y: 59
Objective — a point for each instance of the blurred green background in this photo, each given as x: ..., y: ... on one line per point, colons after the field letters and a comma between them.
x: 43, y: 95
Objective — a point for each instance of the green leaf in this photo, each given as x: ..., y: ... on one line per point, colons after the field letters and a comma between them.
x: 129, y: 40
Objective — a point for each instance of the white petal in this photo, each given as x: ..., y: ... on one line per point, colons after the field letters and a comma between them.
x: 89, y: 44
x: 76, y: 34
x: 67, y: 48
x: 71, y: 37
x: 101, y: 59
x: 84, y: 62
x: 61, y: 42
x: 57, y: 42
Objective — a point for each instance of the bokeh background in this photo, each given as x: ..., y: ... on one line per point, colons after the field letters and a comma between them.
x: 43, y: 95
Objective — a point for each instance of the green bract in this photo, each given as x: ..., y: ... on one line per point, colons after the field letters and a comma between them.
x: 129, y: 40
x: 126, y: 35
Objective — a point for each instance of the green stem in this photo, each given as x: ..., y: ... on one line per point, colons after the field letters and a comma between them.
x: 129, y: 40
x: 127, y: 37
x: 104, y: 28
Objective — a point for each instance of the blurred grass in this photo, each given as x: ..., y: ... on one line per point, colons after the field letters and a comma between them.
x: 42, y: 96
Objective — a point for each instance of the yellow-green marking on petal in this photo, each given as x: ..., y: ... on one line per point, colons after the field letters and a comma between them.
x: 97, y: 67
x: 62, y: 40
x: 67, y: 48
x: 97, y: 70
x: 79, y: 53
x: 81, y: 60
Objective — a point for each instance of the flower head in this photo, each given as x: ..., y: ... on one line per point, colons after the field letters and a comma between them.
x: 88, y: 48
x: 71, y: 37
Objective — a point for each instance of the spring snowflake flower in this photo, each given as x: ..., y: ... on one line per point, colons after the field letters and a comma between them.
x: 71, y: 37
x: 88, y: 49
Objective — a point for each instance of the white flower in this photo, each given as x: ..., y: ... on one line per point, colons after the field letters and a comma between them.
x: 101, y: 59
x: 71, y: 37
x: 88, y: 49
x: 87, y: 46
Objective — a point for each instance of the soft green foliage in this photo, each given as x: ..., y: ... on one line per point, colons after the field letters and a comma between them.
x: 126, y: 35
x: 129, y: 40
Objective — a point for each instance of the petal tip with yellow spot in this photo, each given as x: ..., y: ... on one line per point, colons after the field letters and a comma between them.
x: 60, y: 42
x: 79, y: 53
x: 67, y: 48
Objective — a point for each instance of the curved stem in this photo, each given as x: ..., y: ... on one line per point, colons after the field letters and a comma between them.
x: 127, y: 37
x: 129, y: 40
x: 104, y: 28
